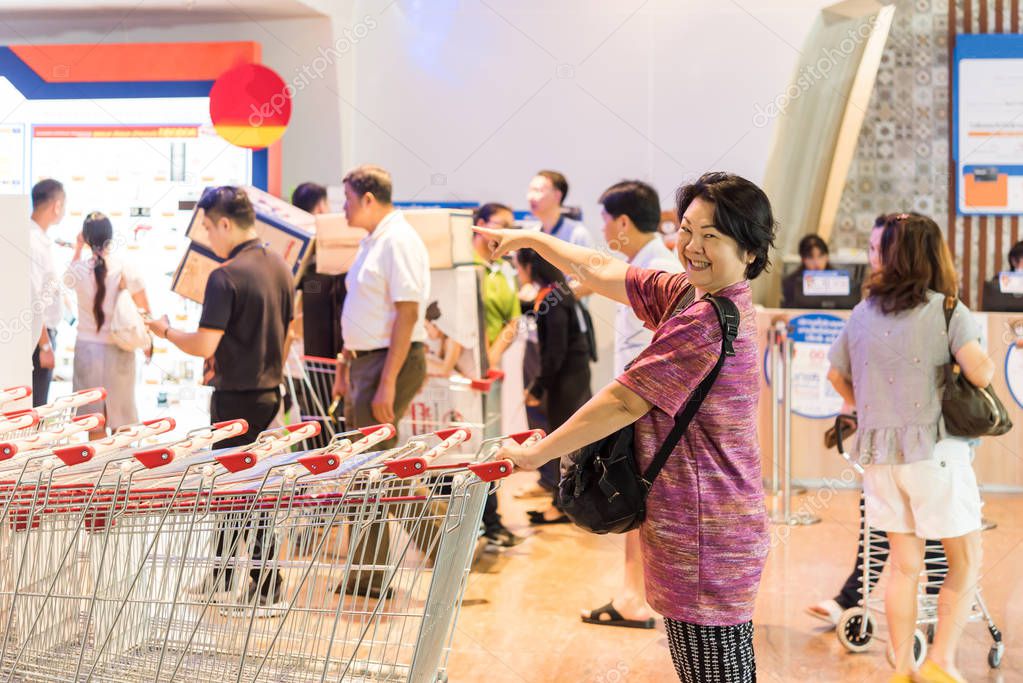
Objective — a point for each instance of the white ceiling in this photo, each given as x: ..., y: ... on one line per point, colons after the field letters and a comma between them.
x: 220, y: 8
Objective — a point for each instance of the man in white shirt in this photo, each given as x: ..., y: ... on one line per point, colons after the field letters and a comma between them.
x: 383, y: 362
x: 632, y: 218
x: 546, y: 197
x: 47, y: 210
x: 631, y: 213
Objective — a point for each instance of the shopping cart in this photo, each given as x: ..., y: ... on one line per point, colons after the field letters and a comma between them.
x: 456, y: 401
x: 857, y: 626
x: 156, y: 557
x: 50, y: 417
x: 313, y: 395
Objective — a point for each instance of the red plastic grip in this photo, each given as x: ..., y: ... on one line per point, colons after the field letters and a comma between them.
x: 102, y: 392
x: 406, y: 467
x: 150, y: 423
x: 228, y: 423
x: 495, y: 374
x: 366, y: 431
x: 482, y: 384
x: 236, y: 462
x: 522, y: 437
x: 295, y: 427
x: 317, y: 464
x: 155, y: 457
x: 102, y: 419
x: 75, y: 455
x: 445, y: 434
x: 8, y: 450
x: 492, y: 471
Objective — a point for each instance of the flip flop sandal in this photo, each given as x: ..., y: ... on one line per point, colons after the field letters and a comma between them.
x: 616, y: 619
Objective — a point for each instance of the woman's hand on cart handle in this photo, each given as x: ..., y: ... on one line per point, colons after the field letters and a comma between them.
x: 523, y: 450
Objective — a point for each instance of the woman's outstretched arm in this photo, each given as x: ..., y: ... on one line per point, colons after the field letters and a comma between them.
x: 596, y: 270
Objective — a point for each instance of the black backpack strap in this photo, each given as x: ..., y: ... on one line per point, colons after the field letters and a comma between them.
x: 728, y: 317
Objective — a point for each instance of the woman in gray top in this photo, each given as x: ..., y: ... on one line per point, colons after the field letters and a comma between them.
x: 919, y: 482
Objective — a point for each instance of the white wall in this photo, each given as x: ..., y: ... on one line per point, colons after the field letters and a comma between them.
x: 466, y: 99
x: 16, y: 342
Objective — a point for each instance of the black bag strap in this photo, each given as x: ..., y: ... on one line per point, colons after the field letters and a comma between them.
x: 728, y: 317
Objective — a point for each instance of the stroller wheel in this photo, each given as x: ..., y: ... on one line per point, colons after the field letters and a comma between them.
x: 853, y: 633
x: 919, y: 649
x: 994, y: 655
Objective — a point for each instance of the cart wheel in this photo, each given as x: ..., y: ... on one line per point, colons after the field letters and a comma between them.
x: 919, y: 649
x: 849, y: 627
x: 994, y: 655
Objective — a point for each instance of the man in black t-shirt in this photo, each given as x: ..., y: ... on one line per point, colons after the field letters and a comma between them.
x: 245, y: 316
x: 242, y: 330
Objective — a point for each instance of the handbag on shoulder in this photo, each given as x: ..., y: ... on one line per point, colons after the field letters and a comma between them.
x: 969, y: 411
x: 127, y: 328
x: 602, y: 490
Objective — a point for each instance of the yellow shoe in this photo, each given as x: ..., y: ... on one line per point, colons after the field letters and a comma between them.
x: 900, y: 678
x: 932, y: 673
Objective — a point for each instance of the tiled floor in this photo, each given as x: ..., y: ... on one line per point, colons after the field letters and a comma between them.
x: 520, y: 618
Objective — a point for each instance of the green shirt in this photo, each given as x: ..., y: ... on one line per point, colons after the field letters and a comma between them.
x: 500, y: 301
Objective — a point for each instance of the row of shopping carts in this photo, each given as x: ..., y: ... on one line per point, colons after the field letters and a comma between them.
x: 124, y: 560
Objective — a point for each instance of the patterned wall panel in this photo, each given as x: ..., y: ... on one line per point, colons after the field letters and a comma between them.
x: 902, y: 156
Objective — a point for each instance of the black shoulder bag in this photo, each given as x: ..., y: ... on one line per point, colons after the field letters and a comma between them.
x: 969, y: 411
x: 602, y: 490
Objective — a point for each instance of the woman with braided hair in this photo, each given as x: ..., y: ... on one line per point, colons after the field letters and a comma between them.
x: 99, y: 362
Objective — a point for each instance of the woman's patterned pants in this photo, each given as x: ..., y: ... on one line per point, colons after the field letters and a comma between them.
x: 712, y: 654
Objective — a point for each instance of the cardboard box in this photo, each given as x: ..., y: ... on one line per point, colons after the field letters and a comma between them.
x: 447, y: 234
x: 193, y: 272
x: 288, y: 230
x: 336, y: 244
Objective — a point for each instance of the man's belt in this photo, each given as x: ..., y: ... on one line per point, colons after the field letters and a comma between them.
x: 351, y: 354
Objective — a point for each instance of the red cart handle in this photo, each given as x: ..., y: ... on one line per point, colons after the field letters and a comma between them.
x: 75, y: 455
x: 492, y: 471
x: 236, y: 462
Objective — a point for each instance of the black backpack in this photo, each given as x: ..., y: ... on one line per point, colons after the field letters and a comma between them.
x: 602, y: 490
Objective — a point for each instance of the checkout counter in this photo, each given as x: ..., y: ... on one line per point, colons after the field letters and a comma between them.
x: 998, y: 461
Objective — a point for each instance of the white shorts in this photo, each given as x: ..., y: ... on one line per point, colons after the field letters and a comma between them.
x: 935, y: 498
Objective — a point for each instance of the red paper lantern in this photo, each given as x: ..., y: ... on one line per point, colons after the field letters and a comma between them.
x: 250, y: 106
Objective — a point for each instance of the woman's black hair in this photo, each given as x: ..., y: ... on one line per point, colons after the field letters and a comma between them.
x: 543, y: 272
x: 308, y: 195
x: 486, y: 211
x: 811, y: 242
x: 97, y: 232
x: 741, y: 211
x: 228, y: 202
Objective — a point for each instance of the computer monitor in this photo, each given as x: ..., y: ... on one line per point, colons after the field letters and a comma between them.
x: 995, y: 300
x: 819, y: 297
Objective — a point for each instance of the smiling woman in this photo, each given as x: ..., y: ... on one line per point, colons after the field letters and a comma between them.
x: 704, y: 538
x: 726, y: 231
